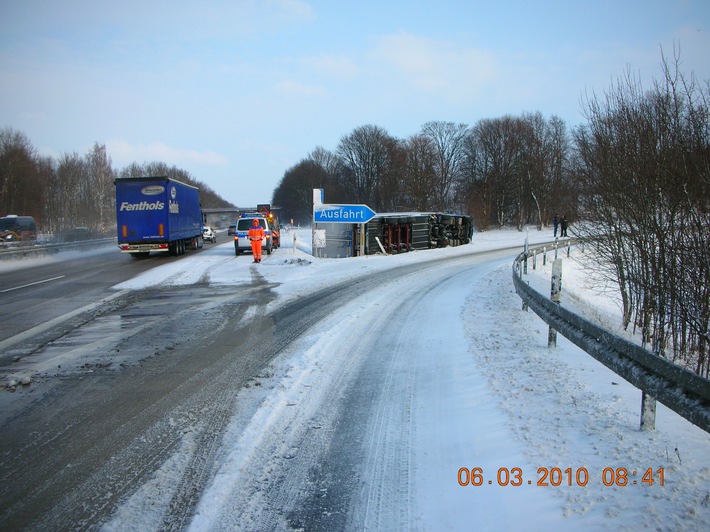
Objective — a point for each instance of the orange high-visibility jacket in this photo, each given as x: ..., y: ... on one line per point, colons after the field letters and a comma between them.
x: 256, y: 233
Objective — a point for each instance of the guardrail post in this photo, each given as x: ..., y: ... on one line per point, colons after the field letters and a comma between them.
x: 555, y: 296
x: 544, y: 256
x: 519, y: 275
x: 648, y: 412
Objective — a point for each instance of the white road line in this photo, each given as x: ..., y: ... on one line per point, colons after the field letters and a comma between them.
x: 31, y: 284
x: 4, y: 344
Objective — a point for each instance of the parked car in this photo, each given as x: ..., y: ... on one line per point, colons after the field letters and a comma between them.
x: 208, y: 234
x: 232, y: 229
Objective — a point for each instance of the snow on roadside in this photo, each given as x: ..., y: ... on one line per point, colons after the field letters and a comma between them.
x: 564, y: 409
x: 569, y: 411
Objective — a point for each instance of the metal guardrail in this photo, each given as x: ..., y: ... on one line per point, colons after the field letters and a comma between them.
x: 23, y: 250
x: 683, y: 391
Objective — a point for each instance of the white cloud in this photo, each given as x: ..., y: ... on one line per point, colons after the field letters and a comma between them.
x: 332, y: 66
x: 435, y: 65
x: 295, y: 88
x: 126, y: 153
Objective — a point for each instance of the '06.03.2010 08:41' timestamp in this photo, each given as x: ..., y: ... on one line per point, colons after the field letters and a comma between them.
x: 555, y: 476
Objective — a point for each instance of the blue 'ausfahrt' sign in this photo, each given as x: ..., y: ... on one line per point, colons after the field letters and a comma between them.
x: 344, y: 214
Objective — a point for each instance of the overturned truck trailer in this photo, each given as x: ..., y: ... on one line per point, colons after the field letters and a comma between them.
x: 402, y: 232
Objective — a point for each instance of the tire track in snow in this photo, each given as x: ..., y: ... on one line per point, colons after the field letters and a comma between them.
x: 386, y: 491
x: 387, y: 497
x: 274, y: 455
x: 353, y: 376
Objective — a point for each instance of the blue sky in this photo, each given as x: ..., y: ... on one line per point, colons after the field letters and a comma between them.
x: 238, y: 92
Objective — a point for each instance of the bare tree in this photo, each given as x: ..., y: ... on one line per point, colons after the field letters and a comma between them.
x: 419, y: 173
x: 21, y: 190
x: 101, y: 193
x: 69, y: 192
x: 448, y: 143
x: 366, y: 155
x: 294, y: 193
x: 493, y: 165
x: 546, y: 152
x: 328, y: 161
x: 644, y: 164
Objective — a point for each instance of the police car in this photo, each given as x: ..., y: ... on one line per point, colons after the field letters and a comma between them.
x: 241, y: 235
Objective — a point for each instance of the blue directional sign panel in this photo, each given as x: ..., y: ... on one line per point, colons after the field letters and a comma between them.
x: 343, y: 214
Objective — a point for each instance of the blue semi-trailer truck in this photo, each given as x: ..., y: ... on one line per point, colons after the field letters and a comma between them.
x: 157, y: 213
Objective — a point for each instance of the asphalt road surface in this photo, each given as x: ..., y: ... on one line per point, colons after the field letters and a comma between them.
x: 163, y: 367
x: 49, y: 288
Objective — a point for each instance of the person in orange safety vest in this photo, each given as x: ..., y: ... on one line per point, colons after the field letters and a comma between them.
x: 256, y: 234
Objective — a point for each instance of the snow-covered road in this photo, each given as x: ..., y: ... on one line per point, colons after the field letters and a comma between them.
x: 412, y: 375
x: 367, y: 421
x: 359, y: 429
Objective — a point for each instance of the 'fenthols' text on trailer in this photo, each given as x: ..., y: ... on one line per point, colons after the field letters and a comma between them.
x: 142, y: 206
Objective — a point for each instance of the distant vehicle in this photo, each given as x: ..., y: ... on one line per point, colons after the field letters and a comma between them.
x: 275, y: 230
x: 265, y: 210
x: 15, y: 228
x: 241, y: 239
x: 79, y: 233
x: 232, y: 229
x: 209, y: 235
x: 157, y: 213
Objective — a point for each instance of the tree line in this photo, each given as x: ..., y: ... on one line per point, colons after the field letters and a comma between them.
x: 634, y: 180
x: 73, y: 190
x: 643, y: 175
x: 502, y: 171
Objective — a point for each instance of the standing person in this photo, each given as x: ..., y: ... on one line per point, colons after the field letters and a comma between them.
x: 563, y: 226
x: 556, y: 223
x: 256, y: 234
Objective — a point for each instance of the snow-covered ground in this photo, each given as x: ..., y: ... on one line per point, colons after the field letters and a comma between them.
x: 515, y: 407
x: 491, y: 396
